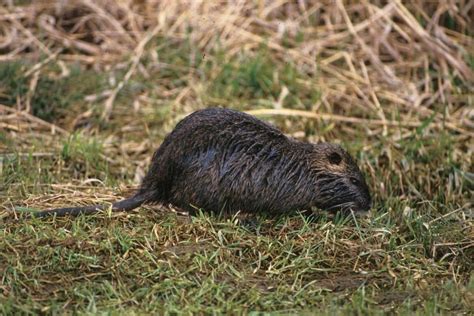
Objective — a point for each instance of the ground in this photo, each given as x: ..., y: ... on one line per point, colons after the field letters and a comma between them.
x: 88, y: 92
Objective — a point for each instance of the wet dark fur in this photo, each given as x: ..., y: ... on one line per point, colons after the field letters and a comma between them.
x: 224, y: 160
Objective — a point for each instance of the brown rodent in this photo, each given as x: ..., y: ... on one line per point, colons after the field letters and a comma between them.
x: 224, y: 160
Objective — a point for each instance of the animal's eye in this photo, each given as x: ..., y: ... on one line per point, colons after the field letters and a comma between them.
x: 335, y: 158
x: 354, y: 181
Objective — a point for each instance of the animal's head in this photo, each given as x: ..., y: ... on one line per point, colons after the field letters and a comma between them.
x: 340, y: 184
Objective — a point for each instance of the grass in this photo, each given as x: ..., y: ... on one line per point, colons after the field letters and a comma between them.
x: 53, y: 96
x: 414, y: 254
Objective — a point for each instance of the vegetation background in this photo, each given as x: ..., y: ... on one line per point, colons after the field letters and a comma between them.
x: 89, y: 89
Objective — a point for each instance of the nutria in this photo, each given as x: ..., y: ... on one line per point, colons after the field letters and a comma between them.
x: 224, y: 160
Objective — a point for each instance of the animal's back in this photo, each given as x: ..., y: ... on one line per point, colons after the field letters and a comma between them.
x: 219, y: 159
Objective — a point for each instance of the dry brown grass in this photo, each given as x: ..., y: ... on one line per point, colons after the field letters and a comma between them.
x: 394, y: 82
x: 364, y: 55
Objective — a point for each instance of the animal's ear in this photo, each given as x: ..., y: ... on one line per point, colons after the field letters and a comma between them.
x: 334, y: 158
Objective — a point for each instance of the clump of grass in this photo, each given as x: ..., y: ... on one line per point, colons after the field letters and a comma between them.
x: 14, y: 84
x: 255, y: 78
x: 84, y: 156
x: 52, y: 97
x: 78, y: 157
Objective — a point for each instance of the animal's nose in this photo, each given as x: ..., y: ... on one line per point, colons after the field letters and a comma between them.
x: 368, y: 199
x: 366, y: 205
